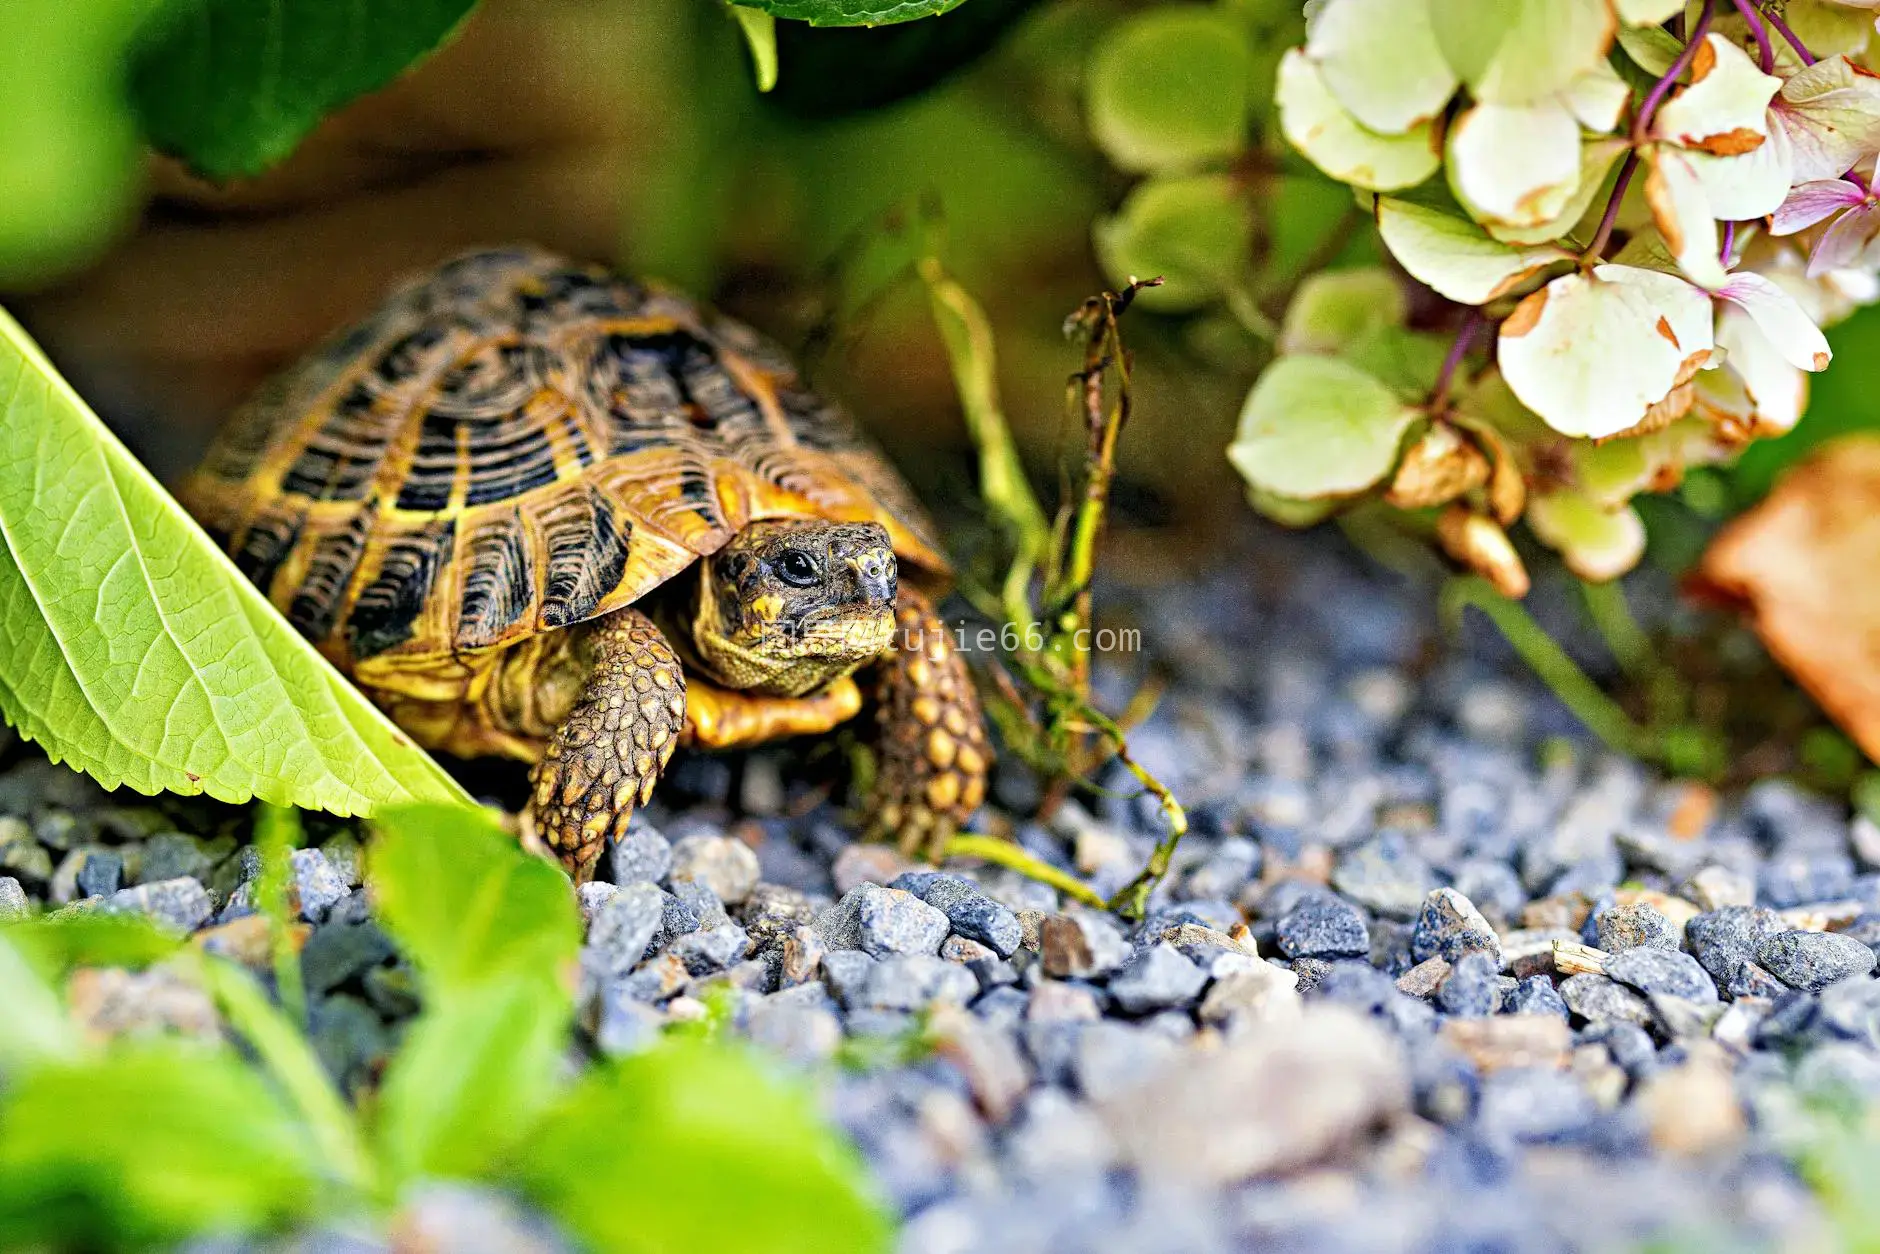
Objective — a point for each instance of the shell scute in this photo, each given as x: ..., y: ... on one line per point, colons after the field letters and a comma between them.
x: 514, y: 443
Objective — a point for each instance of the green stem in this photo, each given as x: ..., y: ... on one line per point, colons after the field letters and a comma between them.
x: 1563, y: 677
x: 1006, y: 854
x: 291, y: 1061
x: 1630, y: 646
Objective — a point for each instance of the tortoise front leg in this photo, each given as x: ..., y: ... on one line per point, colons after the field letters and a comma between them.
x: 933, y: 749
x: 605, y: 757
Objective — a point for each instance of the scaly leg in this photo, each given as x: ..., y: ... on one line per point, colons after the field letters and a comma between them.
x: 934, y: 754
x: 605, y: 757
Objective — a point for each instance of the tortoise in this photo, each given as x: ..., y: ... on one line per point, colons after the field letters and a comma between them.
x: 538, y: 510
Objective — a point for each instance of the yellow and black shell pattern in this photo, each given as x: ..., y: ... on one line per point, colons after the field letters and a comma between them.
x: 515, y: 443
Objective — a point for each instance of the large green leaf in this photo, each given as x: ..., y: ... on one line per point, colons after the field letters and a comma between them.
x: 851, y: 12
x: 131, y: 647
x: 231, y: 86
x: 465, y: 902
x: 846, y: 69
x: 69, y: 159
x: 34, y: 1028
x: 473, y: 1074
x: 144, y: 1146
x: 694, y: 1146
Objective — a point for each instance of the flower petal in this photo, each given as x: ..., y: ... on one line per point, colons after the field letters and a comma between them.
x: 1380, y: 59
x: 1778, y: 316
x: 1597, y: 158
x: 1456, y: 257
x: 1809, y: 203
x: 1515, y: 52
x: 1725, y: 108
x: 1844, y: 243
x: 1776, y: 390
x: 1647, y: 12
x: 1593, y: 354
x: 1515, y: 164
x: 1683, y: 216
x: 1831, y: 114
x: 1751, y: 185
x: 1317, y: 125
x: 1598, y: 97
x: 1596, y: 544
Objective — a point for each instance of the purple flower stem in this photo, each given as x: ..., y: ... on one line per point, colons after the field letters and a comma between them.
x: 1641, y: 125
x: 1782, y: 29
x: 1606, y: 221
x: 1729, y: 244
x: 1854, y: 177
x: 1465, y: 336
x: 1765, y: 53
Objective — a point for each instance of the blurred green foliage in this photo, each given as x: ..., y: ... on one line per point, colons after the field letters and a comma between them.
x: 1841, y: 401
x: 693, y: 1145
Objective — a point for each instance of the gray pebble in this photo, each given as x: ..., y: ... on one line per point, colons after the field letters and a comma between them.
x: 592, y: 896
x: 626, y: 1025
x: 12, y: 899
x: 181, y: 904
x: 317, y: 887
x: 1722, y: 940
x: 1633, y: 927
x: 1324, y: 928
x: 846, y: 971
x: 698, y: 897
x: 102, y: 874
x: 915, y: 981
x: 1080, y: 944
x: 1385, y: 875
x: 1662, y: 973
x: 1472, y: 989
x: 725, y: 865
x: 171, y: 855
x: 711, y: 949
x: 1156, y: 979
x: 972, y: 914
x: 1598, y: 999
x: 1111, y: 1058
x: 890, y: 921
x: 1450, y: 926
x: 1532, y: 1105
x: 642, y: 854
x: 795, y: 1028
x: 1811, y: 961
x: 623, y: 928
x: 337, y: 953
x: 1536, y: 995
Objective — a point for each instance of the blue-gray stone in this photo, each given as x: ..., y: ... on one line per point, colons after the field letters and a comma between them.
x: 1785, y: 881
x: 335, y: 954
x: 642, y: 854
x: 845, y: 971
x: 914, y: 982
x: 1813, y: 960
x: 1662, y: 973
x: 1471, y: 990
x: 1635, y: 926
x: 1449, y: 926
x: 1532, y: 1105
x: 1722, y: 940
x: 1324, y: 928
x: 171, y: 855
x: 697, y: 895
x: 1385, y: 875
x: 12, y: 899
x: 711, y: 949
x: 317, y: 886
x: 970, y: 912
x: 1156, y: 979
x: 624, y: 926
x: 1628, y: 1043
x: 1536, y: 995
x: 102, y: 874
x: 181, y: 904
x: 1002, y: 1006
x: 889, y: 921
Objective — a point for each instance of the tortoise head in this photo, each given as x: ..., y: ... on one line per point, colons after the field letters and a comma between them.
x: 787, y: 606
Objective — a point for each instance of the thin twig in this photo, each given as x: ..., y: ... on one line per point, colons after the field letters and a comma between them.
x: 1465, y: 338
x: 1611, y: 216
x: 1795, y: 42
x: 1006, y: 854
x: 1641, y: 125
x: 1766, y: 55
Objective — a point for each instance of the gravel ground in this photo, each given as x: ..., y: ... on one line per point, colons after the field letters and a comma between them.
x: 1428, y: 975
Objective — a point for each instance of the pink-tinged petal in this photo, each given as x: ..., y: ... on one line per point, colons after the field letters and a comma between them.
x: 1725, y: 108
x: 1844, y: 243
x: 1777, y: 392
x: 1777, y: 316
x: 1831, y: 114
x: 1809, y: 203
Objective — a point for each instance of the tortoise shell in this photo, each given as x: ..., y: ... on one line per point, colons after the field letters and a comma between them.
x: 514, y: 443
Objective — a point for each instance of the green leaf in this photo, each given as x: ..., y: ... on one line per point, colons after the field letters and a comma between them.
x: 69, y: 159
x: 697, y: 1146
x: 851, y: 12
x: 34, y: 1028
x: 1333, y: 308
x: 232, y: 86
x: 760, y: 36
x: 1317, y: 427
x: 465, y: 902
x: 55, y: 944
x: 837, y: 70
x: 145, y: 1146
x: 473, y: 1074
x: 1193, y: 230
x: 1171, y: 87
x: 136, y: 652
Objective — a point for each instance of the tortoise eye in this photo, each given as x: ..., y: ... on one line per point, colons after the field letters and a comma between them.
x: 798, y: 569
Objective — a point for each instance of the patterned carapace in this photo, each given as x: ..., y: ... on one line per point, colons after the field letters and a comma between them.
x: 514, y: 443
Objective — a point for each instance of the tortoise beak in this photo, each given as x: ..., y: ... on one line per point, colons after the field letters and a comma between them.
x: 874, y: 575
